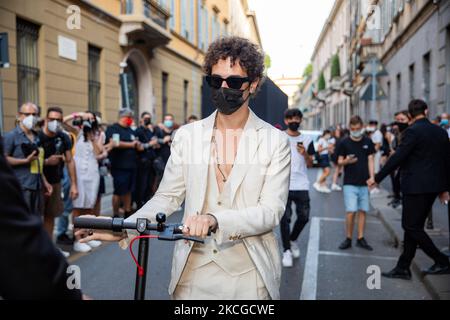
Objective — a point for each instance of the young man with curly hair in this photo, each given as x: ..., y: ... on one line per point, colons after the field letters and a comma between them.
x: 232, y: 170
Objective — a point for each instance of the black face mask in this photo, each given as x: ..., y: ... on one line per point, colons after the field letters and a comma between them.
x: 147, y: 122
x: 294, y: 126
x: 228, y: 101
x: 401, y: 126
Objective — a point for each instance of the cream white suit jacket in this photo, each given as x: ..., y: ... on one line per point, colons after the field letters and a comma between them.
x: 259, y: 190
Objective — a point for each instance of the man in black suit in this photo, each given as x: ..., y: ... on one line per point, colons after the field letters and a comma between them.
x: 31, y: 267
x: 424, y: 160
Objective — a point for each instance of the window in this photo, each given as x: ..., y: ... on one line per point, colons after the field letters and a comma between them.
x: 225, y: 29
x: 132, y: 88
x: 411, y: 81
x: 187, y: 19
x: 94, y: 78
x: 127, y: 6
x: 165, y: 80
x: 426, y: 77
x: 206, y: 27
x: 399, y: 91
x: 215, y: 28
x: 27, y: 62
x: 172, y: 13
x: 185, y: 99
x: 191, y: 21
x: 200, y: 37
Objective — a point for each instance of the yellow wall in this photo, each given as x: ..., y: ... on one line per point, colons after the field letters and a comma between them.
x: 62, y: 82
x: 65, y: 83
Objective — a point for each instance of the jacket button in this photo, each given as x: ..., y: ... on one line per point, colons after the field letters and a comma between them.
x: 219, y: 203
x: 215, y: 251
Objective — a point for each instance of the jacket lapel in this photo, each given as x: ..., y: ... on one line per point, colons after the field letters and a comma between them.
x: 245, y: 157
x: 205, y: 149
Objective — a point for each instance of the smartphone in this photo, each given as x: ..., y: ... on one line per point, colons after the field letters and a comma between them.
x: 116, y: 139
x: 351, y: 155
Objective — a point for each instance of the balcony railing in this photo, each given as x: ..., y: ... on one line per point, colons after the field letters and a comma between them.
x: 151, y: 9
x: 144, y: 21
x: 156, y: 12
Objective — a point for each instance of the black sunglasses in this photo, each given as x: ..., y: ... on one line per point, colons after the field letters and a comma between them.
x: 233, y: 82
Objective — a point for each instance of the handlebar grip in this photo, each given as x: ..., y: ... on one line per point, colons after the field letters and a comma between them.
x: 93, y: 223
x: 179, y: 229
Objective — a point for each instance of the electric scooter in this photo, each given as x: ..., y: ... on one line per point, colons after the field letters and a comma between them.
x: 164, y: 232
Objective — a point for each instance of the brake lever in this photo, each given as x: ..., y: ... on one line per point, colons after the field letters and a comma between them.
x: 193, y: 239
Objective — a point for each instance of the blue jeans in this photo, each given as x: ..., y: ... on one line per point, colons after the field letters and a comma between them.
x: 62, y: 222
x: 356, y: 198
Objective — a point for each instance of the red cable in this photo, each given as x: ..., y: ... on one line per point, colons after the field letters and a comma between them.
x: 140, y: 269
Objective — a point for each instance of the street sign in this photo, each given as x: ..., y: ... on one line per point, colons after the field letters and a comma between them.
x: 374, y: 67
x: 367, y: 92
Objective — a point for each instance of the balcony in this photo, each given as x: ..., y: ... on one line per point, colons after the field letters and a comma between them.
x: 144, y: 22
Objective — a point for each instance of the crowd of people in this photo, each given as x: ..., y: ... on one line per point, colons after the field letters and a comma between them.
x: 417, y: 161
x: 61, y: 164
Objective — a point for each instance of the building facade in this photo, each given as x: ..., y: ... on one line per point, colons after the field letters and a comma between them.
x: 71, y: 53
x: 411, y: 40
x: 330, y: 77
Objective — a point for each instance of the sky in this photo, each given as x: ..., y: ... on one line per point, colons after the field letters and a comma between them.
x: 289, y: 30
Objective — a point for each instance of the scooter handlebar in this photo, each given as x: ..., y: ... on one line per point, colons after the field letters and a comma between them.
x: 93, y: 223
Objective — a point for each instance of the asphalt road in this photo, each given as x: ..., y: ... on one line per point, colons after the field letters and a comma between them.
x: 323, y: 271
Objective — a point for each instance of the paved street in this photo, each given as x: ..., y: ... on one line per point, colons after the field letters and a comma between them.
x: 322, y: 272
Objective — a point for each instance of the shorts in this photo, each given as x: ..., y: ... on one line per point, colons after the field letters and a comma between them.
x: 356, y: 198
x: 54, y: 205
x: 324, y: 161
x: 124, y: 181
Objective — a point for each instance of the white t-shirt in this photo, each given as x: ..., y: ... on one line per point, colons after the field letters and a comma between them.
x: 324, y: 144
x: 299, y: 176
x: 377, y: 137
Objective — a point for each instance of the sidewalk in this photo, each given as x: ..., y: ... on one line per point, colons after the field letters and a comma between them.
x: 438, y: 286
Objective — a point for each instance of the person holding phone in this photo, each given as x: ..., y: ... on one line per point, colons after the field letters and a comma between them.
x: 356, y: 155
x: 302, y: 150
x: 123, y: 147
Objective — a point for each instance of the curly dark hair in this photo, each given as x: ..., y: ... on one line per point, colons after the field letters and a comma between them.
x: 250, y: 56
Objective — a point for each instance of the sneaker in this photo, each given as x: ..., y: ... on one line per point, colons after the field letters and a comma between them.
x: 64, y: 239
x: 325, y: 189
x: 287, y: 261
x: 362, y: 243
x: 81, y: 247
x: 336, y: 187
x: 316, y: 186
x: 295, y: 250
x: 346, y: 244
x: 64, y: 253
x: 94, y: 243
